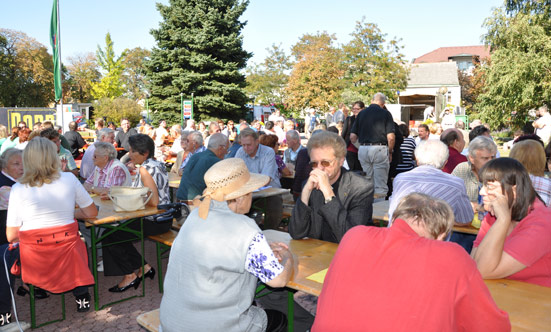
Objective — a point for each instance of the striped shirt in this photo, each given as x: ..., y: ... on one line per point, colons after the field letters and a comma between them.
x: 433, y: 182
x: 543, y: 188
x: 116, y: 178
x: 407, y: 148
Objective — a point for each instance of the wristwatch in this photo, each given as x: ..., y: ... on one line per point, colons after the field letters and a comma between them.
x: 327, y: 200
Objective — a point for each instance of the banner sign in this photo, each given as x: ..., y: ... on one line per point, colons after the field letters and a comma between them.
x: 10, y: 117
x: 187, y: 109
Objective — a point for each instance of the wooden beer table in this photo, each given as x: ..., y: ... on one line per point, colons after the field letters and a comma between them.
x: 528, y: 305
x: 113, y: 221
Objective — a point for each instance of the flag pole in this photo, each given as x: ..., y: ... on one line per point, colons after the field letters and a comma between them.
x: 60, y: 66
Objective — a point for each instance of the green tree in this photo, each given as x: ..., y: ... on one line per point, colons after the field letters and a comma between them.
x: 83, y: 71
x: 267, y: 81
x: 26, y: 71
x: 114, y: 109
x: 518, y: 79
x: 111, y: 84
x: 316, y: 78
x: 134, y: 73
x: 472, y: 85
x: 373, y: 64
x: 199, y: 50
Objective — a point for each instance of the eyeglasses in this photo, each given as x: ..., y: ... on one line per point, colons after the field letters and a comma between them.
x: 324, y: 163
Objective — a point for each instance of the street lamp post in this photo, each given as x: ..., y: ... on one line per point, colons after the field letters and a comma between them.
x: 182, y: 109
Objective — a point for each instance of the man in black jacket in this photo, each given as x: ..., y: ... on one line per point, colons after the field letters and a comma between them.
x: 333, y: 199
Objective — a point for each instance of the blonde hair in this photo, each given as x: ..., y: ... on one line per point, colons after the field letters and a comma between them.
x: 3, y: 131
x: 434, y: 213
x: 40, y: 162
x: 531, y: 155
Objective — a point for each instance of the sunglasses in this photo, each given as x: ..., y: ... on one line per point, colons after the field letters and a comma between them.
x: 324, y: 163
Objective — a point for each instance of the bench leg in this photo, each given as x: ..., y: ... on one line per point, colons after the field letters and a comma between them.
x: 159, y: 266
x: 33, y: 310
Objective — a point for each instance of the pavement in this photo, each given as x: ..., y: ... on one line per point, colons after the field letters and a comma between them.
x: 118, y: 317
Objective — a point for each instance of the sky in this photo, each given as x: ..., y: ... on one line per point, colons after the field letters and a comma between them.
x: 422, y: 25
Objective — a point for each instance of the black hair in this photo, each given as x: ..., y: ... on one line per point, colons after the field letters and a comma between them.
x: 143, y: 144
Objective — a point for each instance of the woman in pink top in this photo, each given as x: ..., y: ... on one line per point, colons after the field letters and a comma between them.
x: 514, y: 240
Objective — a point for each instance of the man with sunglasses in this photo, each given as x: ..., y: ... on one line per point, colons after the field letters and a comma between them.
x: 333, y: 199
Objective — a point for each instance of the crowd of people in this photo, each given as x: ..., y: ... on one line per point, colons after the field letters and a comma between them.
x: 434, y: 176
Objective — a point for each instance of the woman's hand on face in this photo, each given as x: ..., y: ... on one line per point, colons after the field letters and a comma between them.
x: 499, y: 207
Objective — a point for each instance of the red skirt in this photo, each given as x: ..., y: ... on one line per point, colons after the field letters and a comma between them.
x: 54, y: 258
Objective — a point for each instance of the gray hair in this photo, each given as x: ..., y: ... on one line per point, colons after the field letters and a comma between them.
x: 217, y: 140
x: 104, y: 132
x: 292, y: 134
x: 7, y: 155
x: 184, y: 134
x: 197, y: 137
x: 379, y: 97
x: 106, y: 149
x: 482, y: 143
x: 433, y: 153
x: 436, y: 214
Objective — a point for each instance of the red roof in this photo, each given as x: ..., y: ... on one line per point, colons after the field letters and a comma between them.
x: 443, y: 53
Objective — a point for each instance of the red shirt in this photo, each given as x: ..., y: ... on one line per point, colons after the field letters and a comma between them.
x: 528, y: 243
x: 454, y: 159
x: 391, y: 279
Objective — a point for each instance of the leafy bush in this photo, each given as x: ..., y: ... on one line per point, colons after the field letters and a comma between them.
x: 118, y: 108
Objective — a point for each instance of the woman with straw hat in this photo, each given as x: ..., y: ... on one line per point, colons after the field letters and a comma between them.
x: 217, y: 257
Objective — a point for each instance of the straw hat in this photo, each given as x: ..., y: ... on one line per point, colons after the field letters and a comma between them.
x: 229, y: 179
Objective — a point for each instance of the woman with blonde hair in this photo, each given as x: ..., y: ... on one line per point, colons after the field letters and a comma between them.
x: 41, y: 216
x: 531, y: 155
x: 3, y: 134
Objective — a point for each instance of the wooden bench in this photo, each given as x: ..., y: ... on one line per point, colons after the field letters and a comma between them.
x: 150, y: 320
x: 164, y: 243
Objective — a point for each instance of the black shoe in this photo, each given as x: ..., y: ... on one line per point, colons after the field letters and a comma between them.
x: 5, y: 318
x: 135, y: 283
x: 150, y: 274
x: 83, y: 303
x: 39, y: 293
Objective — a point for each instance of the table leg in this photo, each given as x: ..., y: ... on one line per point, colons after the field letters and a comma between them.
x: 290, y: 310
x: 95, y: 266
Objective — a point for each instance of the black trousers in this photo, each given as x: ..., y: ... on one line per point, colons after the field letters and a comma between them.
x: 353, y: 162
x: 122, y: 258
x: 273, y: 208
x: 5, y: 291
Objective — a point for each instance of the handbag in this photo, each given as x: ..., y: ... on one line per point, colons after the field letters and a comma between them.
x: 128, y: 199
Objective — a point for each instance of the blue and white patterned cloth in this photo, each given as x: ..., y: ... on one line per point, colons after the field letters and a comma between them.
x: 261, y: 261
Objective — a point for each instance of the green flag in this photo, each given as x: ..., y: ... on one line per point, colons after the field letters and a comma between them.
x: 54, y: 41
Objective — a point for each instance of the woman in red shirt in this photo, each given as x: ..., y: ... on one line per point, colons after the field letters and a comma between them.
x: 514, y: 240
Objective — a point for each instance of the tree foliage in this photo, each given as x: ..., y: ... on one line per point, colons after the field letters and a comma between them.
x: 472, y: 85
x: 373, y: 64
x: 267, y: 81
x: 134, y: 77
x: 26, y: 71
x: 316, y: 78
x: 83, y: 71
x: 114, y: 109
x: 111, y: 84
x: 519, y: 78
x: 199, y: 50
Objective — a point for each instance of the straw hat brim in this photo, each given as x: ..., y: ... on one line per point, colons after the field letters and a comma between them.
x: 255, y: 181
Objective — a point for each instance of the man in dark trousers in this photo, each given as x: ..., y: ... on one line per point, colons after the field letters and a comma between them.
x: 374, y: 129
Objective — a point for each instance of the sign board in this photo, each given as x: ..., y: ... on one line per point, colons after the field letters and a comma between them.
x: 10, y: 117
x: 187, y: 109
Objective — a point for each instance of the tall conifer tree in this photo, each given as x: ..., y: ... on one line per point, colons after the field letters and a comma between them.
x: 199, y: 50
